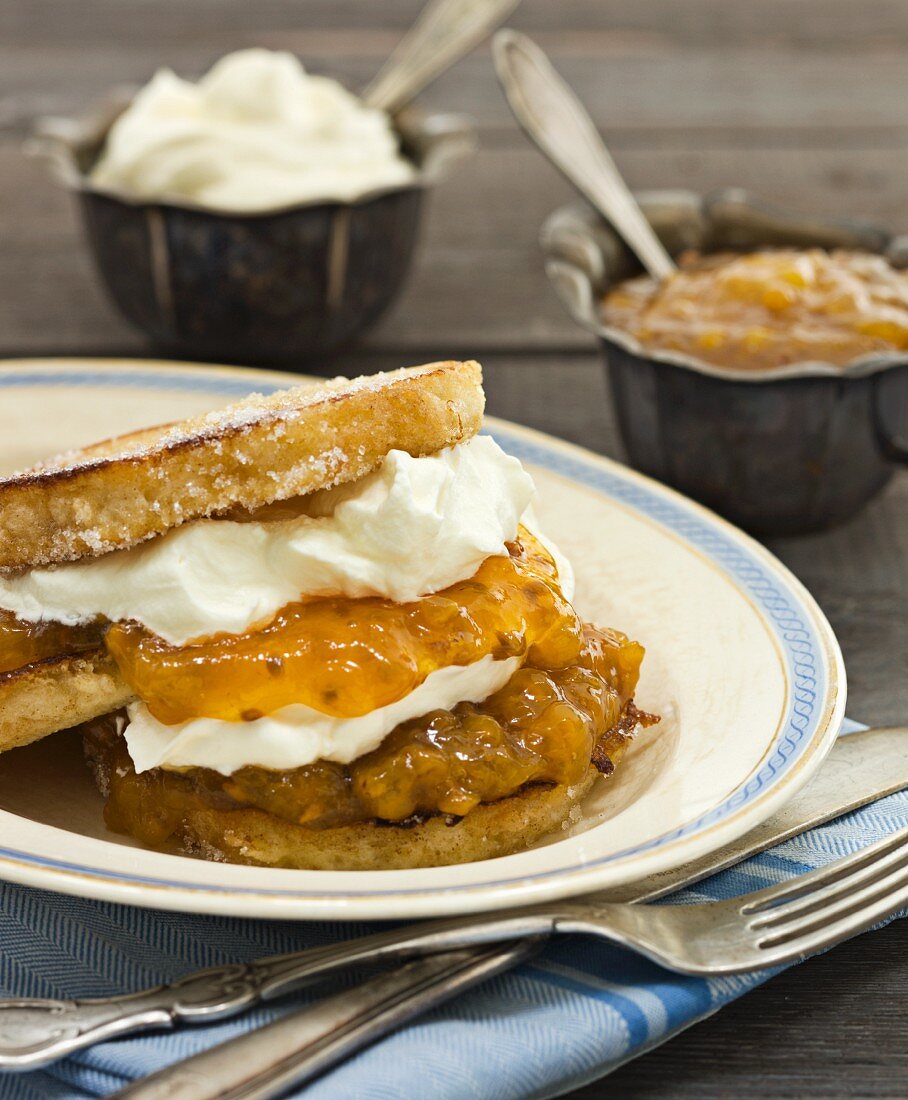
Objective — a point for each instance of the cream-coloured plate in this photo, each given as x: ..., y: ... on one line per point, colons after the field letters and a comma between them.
x: 740, y: 662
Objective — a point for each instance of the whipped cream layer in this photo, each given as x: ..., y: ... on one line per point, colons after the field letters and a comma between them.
x: 296, y: 735
x: 412, y: 527
x: 256, y: 133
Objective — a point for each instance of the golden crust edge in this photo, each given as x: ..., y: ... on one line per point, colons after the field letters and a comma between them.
x: 104, y: 453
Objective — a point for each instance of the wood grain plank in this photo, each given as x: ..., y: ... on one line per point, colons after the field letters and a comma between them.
x: 809, y: 24
x: 823, y: 63
x: 748, y: 86
x: 859, y: 576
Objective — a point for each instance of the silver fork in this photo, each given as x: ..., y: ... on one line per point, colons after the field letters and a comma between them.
x: 755, y: 931
x: 752, y: 932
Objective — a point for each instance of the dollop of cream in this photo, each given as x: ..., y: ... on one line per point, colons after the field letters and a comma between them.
x: 256, y: 133
x: 296, y: 735
x: 411, y: 527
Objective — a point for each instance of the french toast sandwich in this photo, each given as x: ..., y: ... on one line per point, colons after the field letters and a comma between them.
x: 317, y: 629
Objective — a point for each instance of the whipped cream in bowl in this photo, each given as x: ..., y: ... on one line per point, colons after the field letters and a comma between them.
x: 261, y: 212
x: 256, y: 133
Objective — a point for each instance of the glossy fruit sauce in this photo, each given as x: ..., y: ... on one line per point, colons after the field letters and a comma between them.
x: 569, y: 704
x: 23, y: 643
x: 346, y: 657
x: 767, y: 309
x: 544, y: 725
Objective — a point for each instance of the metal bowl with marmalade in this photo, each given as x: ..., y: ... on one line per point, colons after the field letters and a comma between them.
x: 768, y: 376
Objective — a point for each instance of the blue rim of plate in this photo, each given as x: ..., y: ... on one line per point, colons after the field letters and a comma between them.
x: 795, y: 627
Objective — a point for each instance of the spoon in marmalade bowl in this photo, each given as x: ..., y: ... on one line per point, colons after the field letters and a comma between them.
x: 554, y: 118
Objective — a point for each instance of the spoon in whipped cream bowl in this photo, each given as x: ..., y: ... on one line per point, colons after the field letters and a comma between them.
x: 445, y: 31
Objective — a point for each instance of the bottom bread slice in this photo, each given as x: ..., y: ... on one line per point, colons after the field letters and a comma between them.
x: 491, y: 829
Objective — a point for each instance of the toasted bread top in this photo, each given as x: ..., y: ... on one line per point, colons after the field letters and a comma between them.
x: 117, y: 493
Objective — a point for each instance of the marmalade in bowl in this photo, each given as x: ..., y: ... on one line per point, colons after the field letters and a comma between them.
x: 768, y: 309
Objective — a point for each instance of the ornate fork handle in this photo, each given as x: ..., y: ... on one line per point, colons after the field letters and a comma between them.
x: 35, y: 1033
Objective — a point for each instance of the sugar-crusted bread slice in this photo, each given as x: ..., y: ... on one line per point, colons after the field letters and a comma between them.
x: 120, y: 492
x: 49, y: 695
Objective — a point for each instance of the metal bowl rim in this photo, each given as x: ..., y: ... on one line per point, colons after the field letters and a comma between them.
x: 861, y: 367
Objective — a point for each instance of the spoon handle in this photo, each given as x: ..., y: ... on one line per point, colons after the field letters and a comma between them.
x: 443, y: 33
x: 557, y: 121
x: 296, y: 1047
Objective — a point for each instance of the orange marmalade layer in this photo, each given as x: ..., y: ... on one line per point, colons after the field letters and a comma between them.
x: 23, y: 643
x: 545, y: 725
x: 766, y: 309
x: 344, y: 657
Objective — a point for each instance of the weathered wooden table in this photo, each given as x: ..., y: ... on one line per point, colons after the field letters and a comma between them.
x: 803, y: 102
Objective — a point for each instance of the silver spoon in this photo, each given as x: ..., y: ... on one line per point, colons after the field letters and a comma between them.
x: 445, y: 31
x: 556, y: 120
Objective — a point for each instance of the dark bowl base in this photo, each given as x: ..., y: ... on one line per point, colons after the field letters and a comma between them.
x: 785, y: 457
x: 270, y: 288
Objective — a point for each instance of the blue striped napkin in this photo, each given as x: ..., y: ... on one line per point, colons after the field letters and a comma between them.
x: 578, y: 1011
